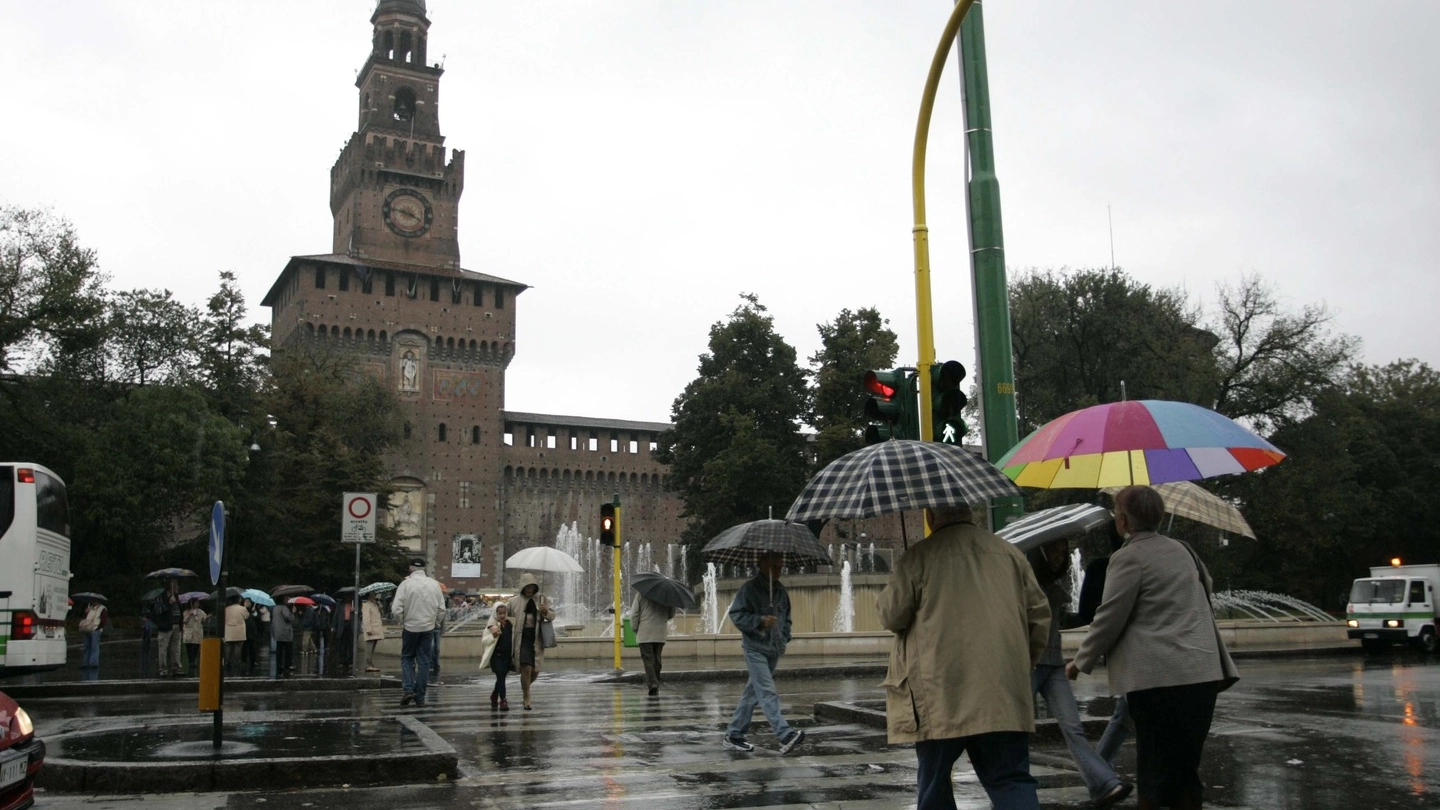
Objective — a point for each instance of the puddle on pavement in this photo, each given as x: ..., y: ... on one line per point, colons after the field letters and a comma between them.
x: 193, y: 741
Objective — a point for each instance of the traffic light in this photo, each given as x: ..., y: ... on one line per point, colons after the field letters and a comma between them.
x: 890, y: 408
x: 947, y: 402
x: 609, y: 525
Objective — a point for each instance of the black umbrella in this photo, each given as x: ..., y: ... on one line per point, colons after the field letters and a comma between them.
x: 87, y: 596
x: 345, y: 591
x: 282, y: 591
x: 898, y: 475
x: 744, y: 544
x: 664, y: 590
x: 171, y: 573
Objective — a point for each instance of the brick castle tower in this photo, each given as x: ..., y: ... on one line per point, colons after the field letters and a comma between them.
x: 473, y: 482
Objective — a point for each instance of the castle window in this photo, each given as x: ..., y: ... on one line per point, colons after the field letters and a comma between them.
x: 479, y: 295
x: 508, y: 439
x: 499, y: 297
x: 407, y: 430
x: 434, y: 289
x: 574, y: 442
x: 654, y: 446
x: 344, y: 279
x: 593, y: 444
x: 634, y: 447
x: 455, y: 292
x: 390, y: 284
x: 475, y: 434
x: 550, y: 442
x: 319, y: 278
x: 441, y: 432
x: 614, y: 445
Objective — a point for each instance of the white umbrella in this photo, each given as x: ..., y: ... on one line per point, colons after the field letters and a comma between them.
x: 544, y: 558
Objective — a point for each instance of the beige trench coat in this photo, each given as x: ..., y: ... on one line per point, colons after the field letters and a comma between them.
x: 517, y: 615
x: 970, y: 621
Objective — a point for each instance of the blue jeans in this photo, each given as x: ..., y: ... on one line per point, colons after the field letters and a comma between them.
x: 1049, y: 682
x: 759, y: 689
x: 1001, y: 760
x: 415, y: 661
x: 90, y: 649
x: 1115, y: 731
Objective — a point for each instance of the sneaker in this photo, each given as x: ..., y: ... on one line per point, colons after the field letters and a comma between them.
x: 407, y: 699
x: 419, y: 702
x: 795, y: 738
x: 1115, y: 795
x: 737, y: 743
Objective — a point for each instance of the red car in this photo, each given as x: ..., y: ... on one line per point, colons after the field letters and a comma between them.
x: 21, y: 755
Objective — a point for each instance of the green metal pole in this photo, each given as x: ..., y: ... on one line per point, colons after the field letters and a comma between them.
x: 996, y: 375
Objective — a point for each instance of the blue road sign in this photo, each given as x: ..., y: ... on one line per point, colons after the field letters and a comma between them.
x: 217, y: 540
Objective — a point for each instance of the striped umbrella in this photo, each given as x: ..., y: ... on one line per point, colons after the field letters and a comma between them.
x: 1189, y: 500
x: 1135, y: 442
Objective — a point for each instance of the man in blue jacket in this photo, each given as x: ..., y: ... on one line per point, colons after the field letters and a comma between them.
x: 761, y: 612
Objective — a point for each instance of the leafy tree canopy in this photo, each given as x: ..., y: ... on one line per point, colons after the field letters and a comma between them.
x: 735, y: 450
x: 850, y: 345
x: 51, y: 290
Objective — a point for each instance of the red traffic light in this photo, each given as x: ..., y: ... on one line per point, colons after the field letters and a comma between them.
x: 607, y: 524
x: 876, y: 388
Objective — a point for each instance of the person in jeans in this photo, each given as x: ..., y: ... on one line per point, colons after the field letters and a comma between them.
x: 970, y: 622
x: 1052, y: 565
x: 96, y: 619
x: 418, y: 605
x: 761, y: 611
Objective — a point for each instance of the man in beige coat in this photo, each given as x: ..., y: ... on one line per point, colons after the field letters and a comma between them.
x: 970, y: 621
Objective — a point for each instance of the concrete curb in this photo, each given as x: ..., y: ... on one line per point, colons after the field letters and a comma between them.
x: 438, y: 762
x: 182, y: 686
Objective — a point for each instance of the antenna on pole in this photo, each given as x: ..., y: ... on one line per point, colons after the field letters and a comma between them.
x: 1111, y: 220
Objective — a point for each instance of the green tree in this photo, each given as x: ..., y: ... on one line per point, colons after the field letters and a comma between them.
x: 151, y: 338
x: 850, y: 345
x: 735, y: 450
x: 1356, y: 488
x: 1271, y: 362
x: 1077, y: 336
x: 325, y: 430
x: 232, y: 352
x: 51, y: 291
x: 161, y: 457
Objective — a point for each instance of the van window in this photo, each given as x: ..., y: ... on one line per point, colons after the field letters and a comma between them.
x: 1417, y: 592
x: 1377, y: 591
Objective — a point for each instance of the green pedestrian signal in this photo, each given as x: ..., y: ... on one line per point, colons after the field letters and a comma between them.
x: 890, y: 408
x: 947, y: 402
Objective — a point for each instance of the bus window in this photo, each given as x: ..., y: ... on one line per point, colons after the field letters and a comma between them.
x: 52, y: 509
x: 7, y: 498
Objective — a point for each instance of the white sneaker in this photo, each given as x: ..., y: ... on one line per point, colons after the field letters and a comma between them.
x: 737, y: 743
x: 795, y: 738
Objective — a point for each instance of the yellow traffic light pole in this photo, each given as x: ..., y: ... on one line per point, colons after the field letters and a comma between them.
x: 615, y: 558
x: 924, y: 316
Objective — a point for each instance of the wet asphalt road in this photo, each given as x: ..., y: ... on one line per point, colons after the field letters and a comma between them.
x: 1302, y: 733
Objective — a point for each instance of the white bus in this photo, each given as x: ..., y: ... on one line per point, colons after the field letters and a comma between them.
x: 35, y: 574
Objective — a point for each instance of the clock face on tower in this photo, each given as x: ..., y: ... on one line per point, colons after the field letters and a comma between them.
x: 407, y: 212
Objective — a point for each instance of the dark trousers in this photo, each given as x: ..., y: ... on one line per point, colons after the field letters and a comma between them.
x: 1171, y: 724
x: 500, y: 682
x: 192, y: 654
x: 284, y: 658
x: 650, y: 655
x: 1001, y: 760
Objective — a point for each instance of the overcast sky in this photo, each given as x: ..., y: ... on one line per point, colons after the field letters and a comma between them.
x: 642, y: 163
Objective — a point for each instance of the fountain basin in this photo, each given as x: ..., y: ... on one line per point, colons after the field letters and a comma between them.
x: 179, y: 757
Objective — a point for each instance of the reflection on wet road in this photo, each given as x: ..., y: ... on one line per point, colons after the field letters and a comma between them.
x: 1306, y: 734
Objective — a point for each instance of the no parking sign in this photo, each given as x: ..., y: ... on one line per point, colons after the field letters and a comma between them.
x: 357, y: 518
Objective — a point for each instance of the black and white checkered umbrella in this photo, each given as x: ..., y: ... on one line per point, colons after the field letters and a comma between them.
x: 898, y: 475
x: 743, y: 544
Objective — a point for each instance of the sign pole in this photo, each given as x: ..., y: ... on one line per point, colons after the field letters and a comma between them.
x: 212, y: 675
x: 357, y: 525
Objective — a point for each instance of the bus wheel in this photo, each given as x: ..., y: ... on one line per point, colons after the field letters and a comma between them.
x: 1426, y: 641
x: 1373, y: 646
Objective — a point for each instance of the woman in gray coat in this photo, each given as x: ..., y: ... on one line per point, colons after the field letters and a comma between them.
x: 1157, y: 632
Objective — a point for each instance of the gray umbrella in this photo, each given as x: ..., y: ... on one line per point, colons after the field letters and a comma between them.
x: 744, y: 544
x: 666, y: 591
x: 898, y: 475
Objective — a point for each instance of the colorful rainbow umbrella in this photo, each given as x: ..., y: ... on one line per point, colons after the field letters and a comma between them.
x: 1147, y: 441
